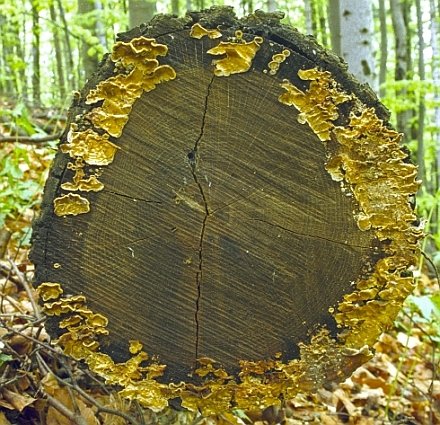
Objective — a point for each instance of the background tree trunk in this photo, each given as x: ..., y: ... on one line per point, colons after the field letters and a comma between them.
x: 58, y: 52
x: 72, y: 77
x: 351, y: 25
x: 36, y: 89
x: 435, y: 175
x: 421, y: 100
x: 140, y: 11
x: 89, y: 59
x: 383, y: 48
x: 402, y: 58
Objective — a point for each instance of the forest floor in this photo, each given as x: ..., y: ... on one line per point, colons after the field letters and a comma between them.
x: 41, y: 386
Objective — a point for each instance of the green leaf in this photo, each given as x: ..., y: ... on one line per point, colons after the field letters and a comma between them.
x: 428, y: 305
x: 4, y: 358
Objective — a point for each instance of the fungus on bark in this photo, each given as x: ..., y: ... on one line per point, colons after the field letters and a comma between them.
x: 246, y: 231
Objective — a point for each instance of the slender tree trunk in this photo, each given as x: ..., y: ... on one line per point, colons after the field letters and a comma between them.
x: 335, y: 25
x: 308, y: 14
x: 140, y: 11
x: 175, y: 7
x: 58, y: 52
x: 383, y: 48
x: 421, y: 110
x: 322, y: 22
x: 271, y: 6
x: 401, y: 46
x: 351, y: 26
x: 89, y: 61
x: 434, y: 41
x: 72, y: 74
x: 36, y: 87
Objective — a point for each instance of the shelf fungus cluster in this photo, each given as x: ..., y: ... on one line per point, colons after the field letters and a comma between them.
x: 137, y: 70
x: 363, y: 156
x: 366, y: 158
x: 238, y: 52
x: 259, y: 384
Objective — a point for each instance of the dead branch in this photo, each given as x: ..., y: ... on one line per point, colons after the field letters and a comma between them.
x: 30, y: 140
x: 60, y: 407
x: 23, y: 281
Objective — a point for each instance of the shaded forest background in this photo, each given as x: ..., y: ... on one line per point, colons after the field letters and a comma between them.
x: 48, y: 49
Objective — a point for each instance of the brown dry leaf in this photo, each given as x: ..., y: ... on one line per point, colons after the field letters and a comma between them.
x: 364, y: 377
x: 15, y: 400
x: 21, y: 344
x: 63, y: 396
x: 344, y: 398
x: 3, y: 420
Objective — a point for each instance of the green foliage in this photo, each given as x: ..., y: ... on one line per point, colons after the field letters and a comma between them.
x: 427, y: 308
x: 4, y: 358
x: 16, y: 191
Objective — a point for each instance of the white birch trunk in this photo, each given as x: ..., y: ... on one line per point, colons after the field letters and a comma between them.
x: 351, y: 24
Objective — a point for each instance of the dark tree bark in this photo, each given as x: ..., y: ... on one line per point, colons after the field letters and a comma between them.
x: 232, y: 202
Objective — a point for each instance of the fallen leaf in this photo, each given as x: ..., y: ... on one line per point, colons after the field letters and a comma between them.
x: 17, y: 401
x: 70, y: 401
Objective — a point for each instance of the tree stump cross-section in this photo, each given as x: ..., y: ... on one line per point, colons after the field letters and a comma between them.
x: 228, y: 218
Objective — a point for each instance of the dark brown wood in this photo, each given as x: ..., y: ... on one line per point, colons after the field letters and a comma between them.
x: 219, y: 232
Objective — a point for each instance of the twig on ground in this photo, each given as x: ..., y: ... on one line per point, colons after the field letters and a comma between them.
x: 30, y: 140
x: 7, y: 273
x: 60, y: 407
x: 5, y: 236
x: 44, y: 367
x: 23, y: 281
x: 35, y: 340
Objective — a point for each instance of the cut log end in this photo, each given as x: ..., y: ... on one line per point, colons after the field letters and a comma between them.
x: 228, y: 216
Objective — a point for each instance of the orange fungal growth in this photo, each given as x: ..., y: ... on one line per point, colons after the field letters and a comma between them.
x: 315, y: 106
x: 140, y: 72
x: 71, y: 204
x: 92, y: 147
x: 277, y: 60
x: 137, y: 51
x: 197, y: 31
x: 49, y: 291
x: 137, y: 71
x: 90, y: 184
x: 239, y: 56
x: 367, y: 159
x: 135, y: 346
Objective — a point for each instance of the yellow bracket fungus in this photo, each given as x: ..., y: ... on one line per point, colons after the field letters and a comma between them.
x: 197, y: 31
x: 368, y: 160
x: 138, y: 71
x: 239, y: 55
x: 277, y: 60
x: 91, y: 147
x: 71, y: 204
x: 49, y: 291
